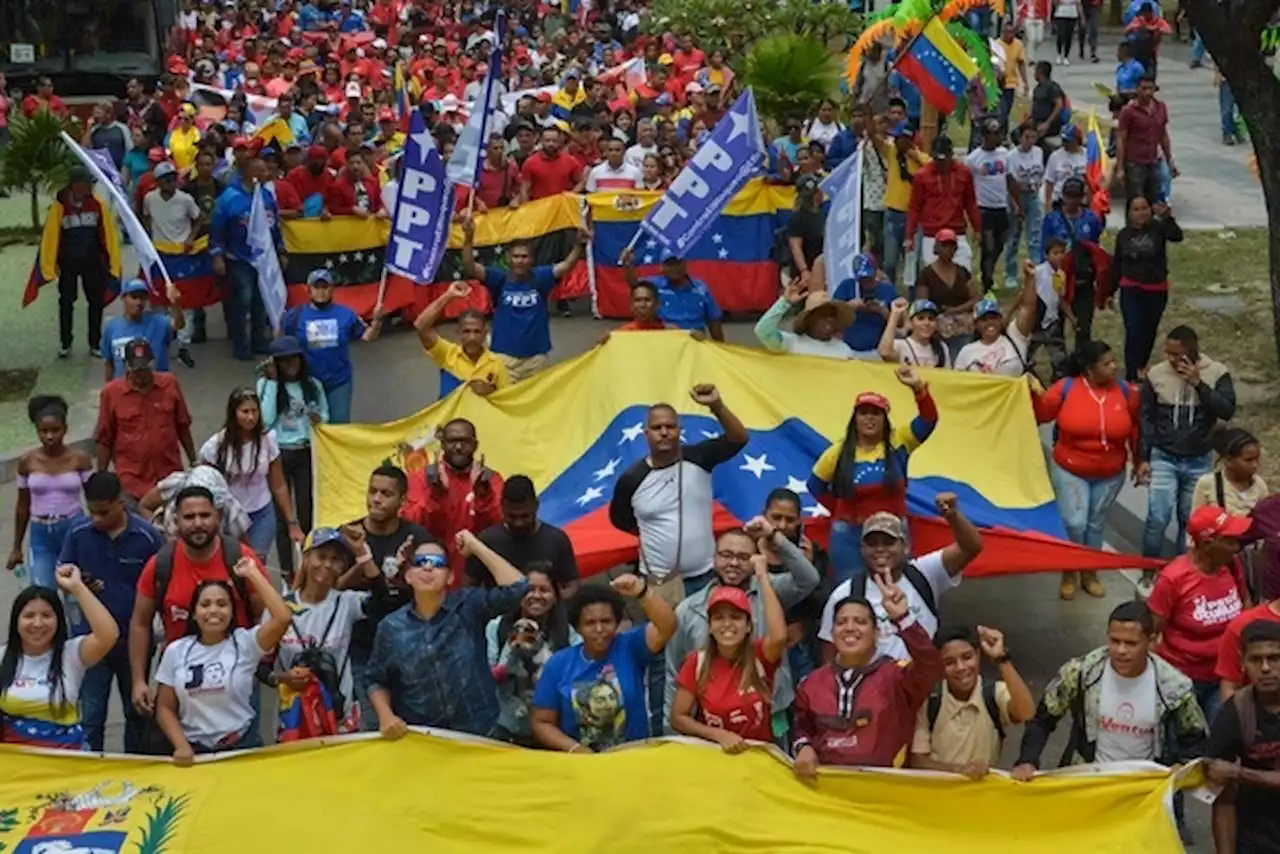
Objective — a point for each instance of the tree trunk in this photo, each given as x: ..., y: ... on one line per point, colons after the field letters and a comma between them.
x: 1232, y: 33
x: 35, y: 207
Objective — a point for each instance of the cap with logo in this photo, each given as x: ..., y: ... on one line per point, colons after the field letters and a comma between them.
x: 138, y: 355
x: 1209, y: 522
x: 327, y: 536
x: 883, y: 523
x: 986, y: 307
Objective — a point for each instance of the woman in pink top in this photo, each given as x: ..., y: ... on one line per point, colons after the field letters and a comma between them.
x: 50, y: 483
x: 1196, y: 595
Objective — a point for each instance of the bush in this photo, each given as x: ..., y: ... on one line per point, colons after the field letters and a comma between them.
x: 36, y: 159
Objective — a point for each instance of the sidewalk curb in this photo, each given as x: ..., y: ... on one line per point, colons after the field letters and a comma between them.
x: 80, y: 425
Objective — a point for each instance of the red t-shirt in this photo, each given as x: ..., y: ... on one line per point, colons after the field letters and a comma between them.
x: 1196, y: 609
x: 187, y: 574
x: 550, y: 176
x: 642, y: 325
x: 723, y: 704
x: 1230, y: 664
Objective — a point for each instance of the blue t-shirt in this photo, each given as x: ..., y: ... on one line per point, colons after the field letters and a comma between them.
x: 864, y: 333
x: 1083, y: 226
x: 691, y: 307
x: 1128, y: 74
x: 326, y: 334
x: 601, y: 703
x: 521, y: 325
x: 157, y: 328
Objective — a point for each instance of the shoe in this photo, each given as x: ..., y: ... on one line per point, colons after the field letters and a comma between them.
x: 1228, y: 139
x: 1067, y: 587
x: 1094, y: 59
x: 184, y: 356
x: 1089, y: 581
x: 64, y: 352
x: 1197, y: 64
x: 1011, y: 283
x: 566, y: 313
x: 1066, y: 61
x: 95, y: 353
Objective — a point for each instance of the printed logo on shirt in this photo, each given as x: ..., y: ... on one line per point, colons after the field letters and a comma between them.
x: 991, y: 168
x: 86, y: 219
x: 206, y: 679
x: 521, y: 298
x: 602, y: 715
x: 1123, y: 724
x: 1218, y: 611
x: 322, y: 333
x: 117, y: 347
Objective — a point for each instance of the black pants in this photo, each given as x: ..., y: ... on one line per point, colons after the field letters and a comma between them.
x: 873, y: 233
x: 1082, y: 305
x: 1142, y: 179
x: 995, y: 227
x: 1142, y: 311
x: 74, y: 276
x: 296, y: 463
x: 1064, y: 28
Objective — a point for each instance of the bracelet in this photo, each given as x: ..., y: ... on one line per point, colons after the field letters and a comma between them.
x: 291, y: 522
x: 644, y: 591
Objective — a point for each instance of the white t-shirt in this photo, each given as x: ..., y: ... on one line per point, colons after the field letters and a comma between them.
x: 889, y: 643
x: 910, y: 352
x: 214, y: 684
x: 247, y: 482
x: 818, y: 132
x: 172, y: 220
x: 1063, y: 165
x: 1027, y: 168
x: 803, y: 345
x: 1066, y: 9
x: 604, y: 177
x: 28, y: 715
x: 1006, y: 356
x: 1047, y: 293
x: 990, y: 169
x: 637, y: 153
x: 346, y: 607
x: 389, y: 192
x: 1127, y: 725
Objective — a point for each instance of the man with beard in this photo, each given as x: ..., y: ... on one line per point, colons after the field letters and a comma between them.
x: 455, y: 492
x: 169, y: 581
x: 924, y: 580
x: 732, y: 568
x: 383, y: 533
x: 523, y: 540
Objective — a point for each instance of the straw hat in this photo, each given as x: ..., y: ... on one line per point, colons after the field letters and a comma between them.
x: 822, y: 299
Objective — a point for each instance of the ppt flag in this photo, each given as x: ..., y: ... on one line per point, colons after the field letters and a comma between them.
x: 424, y: 206
x: 713, y: 176
x: 148, y: 257
x: 842, y: 235
x: 263, y: 241
x: 464, y: 163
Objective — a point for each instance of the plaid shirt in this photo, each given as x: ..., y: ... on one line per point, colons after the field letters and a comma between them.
x: 437, y: 670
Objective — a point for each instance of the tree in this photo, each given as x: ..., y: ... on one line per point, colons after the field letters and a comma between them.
x: 735, y: 24
x: 1232, y: 31
x: 36, y: 159
x: 790, y: 75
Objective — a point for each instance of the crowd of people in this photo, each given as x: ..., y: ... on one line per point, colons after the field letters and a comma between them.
x: 451, y: 605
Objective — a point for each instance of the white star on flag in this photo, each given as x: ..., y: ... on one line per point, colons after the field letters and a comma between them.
x: 651, y: 244
x: 717, y: 238
x: 328, y: 262
x: 757, y: 465
x: 796, y: 485
x: 343, y: 258
x: 740, y: 123
x: 609, y: 470
x: 592, y: 493
x: 683, y: 437
x: 817, y: 511
x: 630, y: 434
x: 648, y: 259
x: 710, y: 434
x: 426, y: 143
x: 723, y: 253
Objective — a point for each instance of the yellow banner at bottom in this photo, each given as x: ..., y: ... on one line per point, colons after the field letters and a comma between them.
x: 428, y: 793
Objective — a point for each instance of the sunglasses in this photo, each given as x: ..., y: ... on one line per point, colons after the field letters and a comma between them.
x: 429, y: 561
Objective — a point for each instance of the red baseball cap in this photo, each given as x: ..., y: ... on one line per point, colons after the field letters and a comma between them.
x: 731, y: 596
x: 870, y: 398
x: 945, y: 235
x: 1209, y: 522
x: 318, y: 152
x: 386, y: 114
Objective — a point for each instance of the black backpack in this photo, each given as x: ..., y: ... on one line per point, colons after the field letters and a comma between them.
x: 321, y: 662
x: 988, y: 699
x: 230, y: 554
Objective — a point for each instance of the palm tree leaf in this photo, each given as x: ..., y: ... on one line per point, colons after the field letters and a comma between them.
x: 790, y: 75
x: 976, y: 46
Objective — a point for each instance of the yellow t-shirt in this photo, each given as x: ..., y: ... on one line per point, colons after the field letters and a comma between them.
x: 1014, y: 55
x: 897, y: 193
x: 182, y: 146
x: 456, y: 369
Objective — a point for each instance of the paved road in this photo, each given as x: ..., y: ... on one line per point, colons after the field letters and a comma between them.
x: 1216, y: 187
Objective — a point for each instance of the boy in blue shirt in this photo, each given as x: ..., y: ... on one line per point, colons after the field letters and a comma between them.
x: 683, y: 302
x: 325, y: 330
x: 521, y: 325
x: 1128, y: 72
x: 137, y: 322
x: 871, y: 294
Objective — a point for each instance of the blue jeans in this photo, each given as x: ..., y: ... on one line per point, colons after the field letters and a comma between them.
x: 1209, y: 698
x: 262, y: 530
x: 1173, y: 480
x: 44, y: 544
x: 95, y: 696
x: 895, y: 231
x: 1006, y: 107
x: 1029, y: 224
x: 1164, y: 181
x: 1084, y: 503
x: 844, y: 550
x: 339, y: 398
x: 1227, y: 109
x: 245, y: 313
x: 1197, y: 49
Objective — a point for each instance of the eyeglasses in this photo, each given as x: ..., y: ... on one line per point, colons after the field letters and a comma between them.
x: 430, y: 561
x: 734, y: 557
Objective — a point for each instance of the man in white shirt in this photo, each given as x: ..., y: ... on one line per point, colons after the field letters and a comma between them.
x: 170, y: 216
x: 1067, y: 162
x: 923, y: 580
x: 1126, y: 703
x: 614, y: 173
x: 993, y: 185
x: 646, y: 144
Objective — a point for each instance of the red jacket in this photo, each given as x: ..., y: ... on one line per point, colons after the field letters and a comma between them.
x: 1096, y: 430
x: 444, y: 510
x: 942, y: 201
x: 885, y: 707
x: 341, y: 196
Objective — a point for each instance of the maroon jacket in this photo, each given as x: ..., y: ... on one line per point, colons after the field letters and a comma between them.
x: 885, y: 706
x: 941, y: 200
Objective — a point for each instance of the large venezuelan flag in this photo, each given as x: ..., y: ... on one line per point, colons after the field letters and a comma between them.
x: 1097, y: 169
x: 191, y: 271
x: 734, y: 257
x: 576, y: 427
x: 480, y: 797
x: 938, y: 65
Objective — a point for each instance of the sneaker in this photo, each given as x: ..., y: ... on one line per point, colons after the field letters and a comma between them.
x: 1066, y: 61
x: 1094, y: 59
x: 1011, y: 283
x: 95, y: 353
x: 184, y: 356
x: 1228, y: 139
x: 1146, y: 584
x: 64, y: 352
x: 1197, y: 64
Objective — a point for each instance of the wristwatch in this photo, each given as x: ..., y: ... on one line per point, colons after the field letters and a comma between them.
x: 1003, y: 659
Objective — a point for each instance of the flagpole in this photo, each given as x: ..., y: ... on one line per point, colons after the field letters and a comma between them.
x: 382, y: 292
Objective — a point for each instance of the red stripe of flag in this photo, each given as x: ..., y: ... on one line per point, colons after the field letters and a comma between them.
x: 942, y: 98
